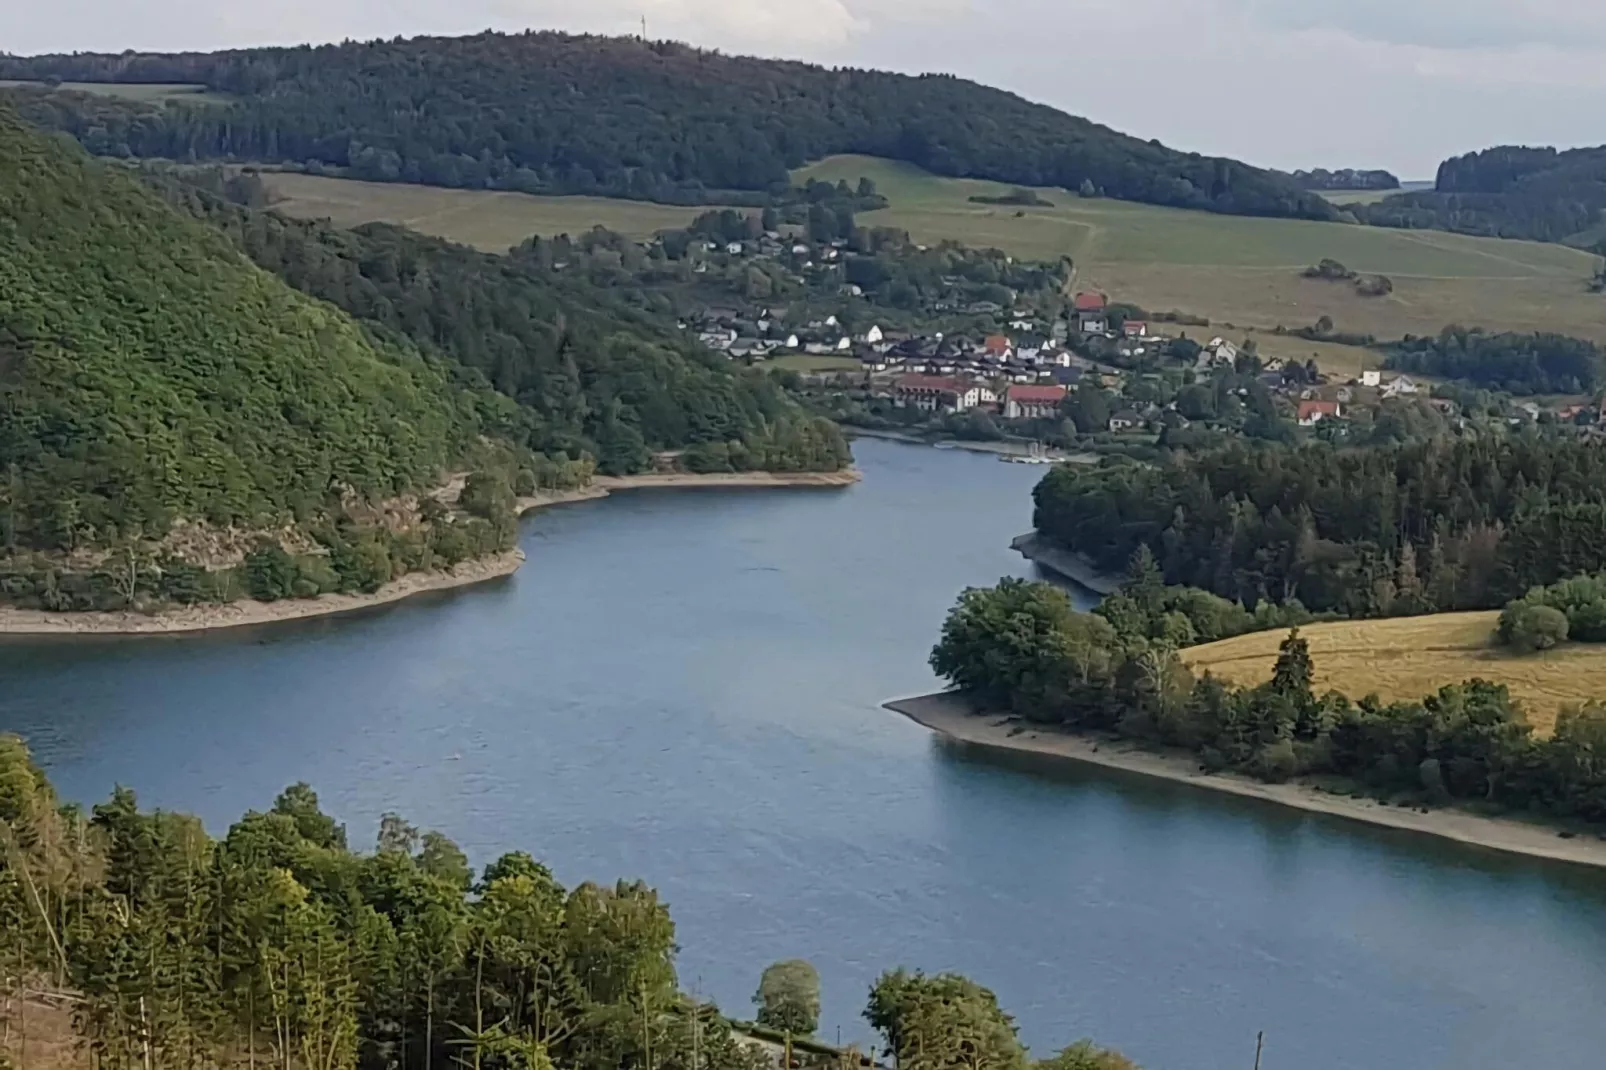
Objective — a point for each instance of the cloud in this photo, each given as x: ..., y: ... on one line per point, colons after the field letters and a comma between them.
x: 1444, y: 24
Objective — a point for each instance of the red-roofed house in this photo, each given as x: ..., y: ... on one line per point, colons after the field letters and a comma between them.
x: 1312, y: 413
x: 1091, y: 309
x: 1033, y: 402
x: 934, y: 393
x: 1135, y: 329
x: 998, y: 346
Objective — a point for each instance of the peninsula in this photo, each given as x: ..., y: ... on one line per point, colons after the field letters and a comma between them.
x: 952, y: 717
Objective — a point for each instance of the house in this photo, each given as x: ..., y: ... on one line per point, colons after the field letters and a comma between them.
x: 873, y: 361
x: 1125, y: 420
x: 931, y: 393
x: 1033, y: 402
x: 873, y: 335
x: 1223, y: 352
x: 1135, y: 329
x: 734, y: 248
x: 1092, y: 313
x: 844, y: 344
x: 1372, y: 377
x: 1020, y: 323
x: 1312, y: 413
x: 997, y: 346
x: 1067, y: 376
x: 1399, y: 387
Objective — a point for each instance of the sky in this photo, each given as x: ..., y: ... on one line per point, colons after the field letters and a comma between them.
x: 1399, y: 84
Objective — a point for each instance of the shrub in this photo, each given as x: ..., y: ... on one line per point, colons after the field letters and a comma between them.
x: 1528, y: 627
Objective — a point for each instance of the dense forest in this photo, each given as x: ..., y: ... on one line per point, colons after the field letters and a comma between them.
x: 1506, y: 192
x: 1514, y: 363
x: 178, y: 425
x: 1462, y: 523
x: 280, y: 943
x: 590, y: 374
x: 553, y: 113
x: 151, y: 373
x: 1019, y: 647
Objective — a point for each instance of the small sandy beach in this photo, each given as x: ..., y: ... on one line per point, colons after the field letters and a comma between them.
x: 246, y: 612
x: 950, y: 716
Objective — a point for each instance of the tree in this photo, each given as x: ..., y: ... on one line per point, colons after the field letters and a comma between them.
x: 788, y: 997
x: 944, y: 1022
x: 1292, y: 674
x: 1530, y: 628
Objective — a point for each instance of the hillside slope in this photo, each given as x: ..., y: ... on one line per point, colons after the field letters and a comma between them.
x: 149, y: 372
x: 590, y: 373
x: 553, y: 113
x: 1508, y: 192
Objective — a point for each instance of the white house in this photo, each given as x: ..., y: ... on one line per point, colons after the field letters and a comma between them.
x: 1371, y: 377
x: 1399, y: 387
x: 844, y: 344
x: 790, y: 343
x: 873, y: 335
x: 734, y: 248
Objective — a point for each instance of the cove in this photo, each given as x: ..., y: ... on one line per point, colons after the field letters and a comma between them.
x: 685, y: 686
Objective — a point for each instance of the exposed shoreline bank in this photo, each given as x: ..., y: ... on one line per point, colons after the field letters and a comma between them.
x: 950, y: 716
x: 1004, y: 448
x: 243, y: 613
x: 1074, y: 567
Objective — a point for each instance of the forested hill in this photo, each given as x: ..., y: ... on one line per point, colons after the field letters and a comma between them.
x: 590, y: 374
x: 1508, y: 192
x: 149, y: 372
x: 553, y: 113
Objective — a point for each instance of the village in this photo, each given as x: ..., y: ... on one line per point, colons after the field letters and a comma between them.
x: 1028, y: 367
x: 884, y: 333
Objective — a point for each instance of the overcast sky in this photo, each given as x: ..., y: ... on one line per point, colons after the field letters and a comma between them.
x: 1283, y: 83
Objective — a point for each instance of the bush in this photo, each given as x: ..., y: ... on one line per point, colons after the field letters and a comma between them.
x: 1528, y: 627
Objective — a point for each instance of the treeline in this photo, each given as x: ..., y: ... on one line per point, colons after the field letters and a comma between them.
x: 1506, y: 192
x: 553, y: 113
x: 1347, y: 178
x: 1440, y: 524
x: 590, y: 375
x: 1538, y: 363
x: 1020, y: 648
x: 279, y: 942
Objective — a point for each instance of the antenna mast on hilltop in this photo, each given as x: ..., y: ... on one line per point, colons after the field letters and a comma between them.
x: 644, y: 27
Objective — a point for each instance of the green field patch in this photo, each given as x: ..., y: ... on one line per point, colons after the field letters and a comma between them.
x: 155, y: 93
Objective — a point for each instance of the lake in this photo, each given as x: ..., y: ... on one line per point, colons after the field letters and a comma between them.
x: 685, y: 686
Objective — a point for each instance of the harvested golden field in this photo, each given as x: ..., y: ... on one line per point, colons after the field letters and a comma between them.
x: 1409, y: 657
x: 491, y: 220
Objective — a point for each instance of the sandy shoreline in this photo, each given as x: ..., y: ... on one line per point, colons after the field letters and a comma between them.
x: 1074, y: 567
x: 23, y: 622
x: 950, y: 716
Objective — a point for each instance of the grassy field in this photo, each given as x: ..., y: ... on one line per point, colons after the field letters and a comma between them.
x: 155, y: 93
x: 1356, y: 196
x: 1237, y: 271
x: 489, y: 220
x: 1409, y: 657
x: 807, y: 362
x: 1247, y: 271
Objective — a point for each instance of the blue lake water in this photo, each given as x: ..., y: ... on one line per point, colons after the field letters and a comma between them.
x: 685, y: 686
